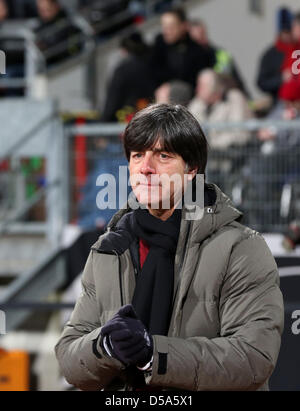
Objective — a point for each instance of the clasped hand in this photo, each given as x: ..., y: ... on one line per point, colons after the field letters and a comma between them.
x: 125, y: 337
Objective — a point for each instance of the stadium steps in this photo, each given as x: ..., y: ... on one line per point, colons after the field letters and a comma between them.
x: 19, y: 253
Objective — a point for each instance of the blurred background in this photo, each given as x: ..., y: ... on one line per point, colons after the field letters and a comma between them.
x: 72, y: 75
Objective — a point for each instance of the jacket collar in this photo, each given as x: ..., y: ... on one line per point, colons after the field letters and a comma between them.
x: 215, y: 215
x: 218, y: 211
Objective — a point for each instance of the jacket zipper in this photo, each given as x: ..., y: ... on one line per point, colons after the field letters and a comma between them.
x: 120, y: 278
x: 178, y: 326
x: 182, y: 261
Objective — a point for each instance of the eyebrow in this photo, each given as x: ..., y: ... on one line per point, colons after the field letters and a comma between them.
x: 154, y: 150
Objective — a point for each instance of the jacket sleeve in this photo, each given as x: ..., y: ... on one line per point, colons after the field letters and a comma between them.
x: 78, y: 352
x: 251, y: 316
x: 269, y: 77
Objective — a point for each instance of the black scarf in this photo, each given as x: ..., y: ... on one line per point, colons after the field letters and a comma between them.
x: 153, y: 293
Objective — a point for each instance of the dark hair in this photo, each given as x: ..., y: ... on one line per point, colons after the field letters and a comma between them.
x: 297, y: 17
x: 134, y: 44
x: 197, y: 22
x: 284, y: 17
x: 57, y: 2
x: 178, y: 12
x: 180, y: 92
x: 174, y: 127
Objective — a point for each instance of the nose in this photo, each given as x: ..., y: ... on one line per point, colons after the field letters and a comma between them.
x: 147, y: 166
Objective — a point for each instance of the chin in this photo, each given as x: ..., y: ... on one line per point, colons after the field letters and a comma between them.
x: 153, y: 203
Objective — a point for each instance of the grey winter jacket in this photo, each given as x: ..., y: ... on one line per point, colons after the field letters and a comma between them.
x: 227, y: 317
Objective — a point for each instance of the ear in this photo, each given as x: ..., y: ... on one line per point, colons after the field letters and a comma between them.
x: 191, y: 172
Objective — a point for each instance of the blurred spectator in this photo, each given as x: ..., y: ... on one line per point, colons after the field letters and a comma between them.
x: 107, y: 17
x: 4, y: 12
x: 273, y: 70
x: 223, y: 60
x: 15, y: 56
x: 289, y: 89
x: 284, y: 110
x: 56, y: 35
x: 17, y: 9
x: 291, y: 237
x: 132, y: 85
x: 174, y: 92
x: 215, y: 103
x: 175, y: 55
x: 22, y: 9
x: 296, y: 28
x: 276, y: 164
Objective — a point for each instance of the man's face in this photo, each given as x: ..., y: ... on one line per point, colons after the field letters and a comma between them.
x: 47, y: 9
x: 296, y: 30
x: 286, y: 36
x: 198, y: 34
x: 150, y: 172
x: 291, y: 110
x: 3, y: 10
x: 204, y: 89
x: 172, y: 28
x: 162, y: 94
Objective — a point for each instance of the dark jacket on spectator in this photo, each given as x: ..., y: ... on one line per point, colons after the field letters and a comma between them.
x: 58, y: 38
x: 269, y: 77
x: 22, y: 9
x: 180, y: 61
x: 131, y: 88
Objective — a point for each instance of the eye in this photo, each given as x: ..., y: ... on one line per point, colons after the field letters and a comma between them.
x: 136, y: 155
x: 164, y: 156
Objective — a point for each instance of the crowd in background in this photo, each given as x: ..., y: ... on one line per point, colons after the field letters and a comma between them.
x: 55, y: 22
x: 181, y: 66
x: 207, y: 73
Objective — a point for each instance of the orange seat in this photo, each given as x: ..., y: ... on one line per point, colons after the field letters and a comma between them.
x: 14, y: 371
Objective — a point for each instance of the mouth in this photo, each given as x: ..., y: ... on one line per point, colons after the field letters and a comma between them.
x: 149, y: 184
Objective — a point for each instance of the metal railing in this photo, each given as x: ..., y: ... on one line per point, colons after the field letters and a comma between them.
x: 22, y: 40
x: 265, y: 185
x: 50, y: 130
x: 263, y: 179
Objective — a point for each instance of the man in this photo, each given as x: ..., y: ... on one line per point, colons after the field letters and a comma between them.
x: 289, y: 90
x: 23, y: 9
x: 14, y: 48
x: 175, y: 55
x: 174, y: 92
x: 215, y: 103
x: 272, y: 71
x: 132, y: 85
x: 56, y: 35
x: 275, y: 167
x: 170, y: 301
x: 223, y: 60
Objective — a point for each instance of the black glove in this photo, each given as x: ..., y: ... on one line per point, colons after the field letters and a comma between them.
x: 126, y: 338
